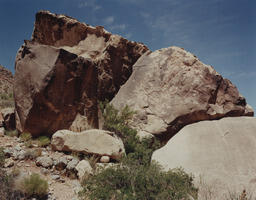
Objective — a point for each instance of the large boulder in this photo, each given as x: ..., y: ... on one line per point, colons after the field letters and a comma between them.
x: 66, y: 68
x: 98, y: 142
x: 171, y: 88
x: 220, y: 154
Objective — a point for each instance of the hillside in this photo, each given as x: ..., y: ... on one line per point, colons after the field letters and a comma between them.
x: 6, y: 88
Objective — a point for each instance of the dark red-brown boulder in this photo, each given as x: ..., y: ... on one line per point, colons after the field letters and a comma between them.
x: 66, y: 68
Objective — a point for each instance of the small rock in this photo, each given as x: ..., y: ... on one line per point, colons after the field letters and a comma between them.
x: 8, y: 145
x: 61, y: 180
x: 17, y: 148
x: 104, y: 159
x: 83, y: 168
x: 44, y: 153
x: 69, y: 157
x: 8, y: 163
x: 61, y: 163
x: 55, y: 177
x: 72, y: 164
x: 8, y: 152
x: 21, y: 155
x: 44, y: 171
x: 44, y: 161
x: 48, y: 148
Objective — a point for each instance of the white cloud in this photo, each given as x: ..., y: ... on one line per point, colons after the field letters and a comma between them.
x: 120, y: 27
x: 89, y: 4
x: 128, y: 35
x: 109, y: 20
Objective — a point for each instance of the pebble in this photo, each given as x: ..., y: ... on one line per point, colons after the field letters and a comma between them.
x: 55, y: 177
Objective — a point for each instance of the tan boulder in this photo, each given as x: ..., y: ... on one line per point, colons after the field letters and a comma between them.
x: 220, y: 154
x: 83, y: 169
x: 99, y: 142
x: 65, y: 69
x: 171, y: 88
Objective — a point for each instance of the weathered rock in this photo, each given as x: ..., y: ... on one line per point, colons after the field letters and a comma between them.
x: 83, y: 168
x: 171, y: 88
x: 99, y: 142
x: 44, y: 161
x: 105, y: 159
x: 8, y: 163
x: 65, y: 69
x: 220, y: 154
x: 9, y: 122
x: 72, y: 164
x: 61, y: 163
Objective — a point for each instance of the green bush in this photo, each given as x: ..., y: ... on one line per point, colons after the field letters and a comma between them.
x: 138, y: 182
x: 25, y: 137
x: 43, y: 141
x: 34, y: 186
x: 32, y: 154
x: 13, y: 133
x: 7, y: 190
x: 135, y: 178
x: 118, y: 122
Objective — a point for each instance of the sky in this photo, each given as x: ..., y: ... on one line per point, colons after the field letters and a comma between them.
x: 221, y: 33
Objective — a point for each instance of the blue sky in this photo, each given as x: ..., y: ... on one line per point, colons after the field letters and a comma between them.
x: 221, y: 33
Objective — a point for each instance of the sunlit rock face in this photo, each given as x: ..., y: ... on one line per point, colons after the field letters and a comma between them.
x: 171, y: 88
x: 219, y: 153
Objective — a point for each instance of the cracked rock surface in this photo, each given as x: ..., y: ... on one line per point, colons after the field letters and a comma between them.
x: 64, y: 70
x: 171, y: 88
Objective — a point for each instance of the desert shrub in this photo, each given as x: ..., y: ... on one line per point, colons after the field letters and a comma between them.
x: 34, y: 186
x: 118, y: 122
x: 138, y: 182
x: 43, y: 141
x: 7, y: 190
x: 11, y: 133
x: 25, y: 137
x: 32, y: 154
x: 135, y: 178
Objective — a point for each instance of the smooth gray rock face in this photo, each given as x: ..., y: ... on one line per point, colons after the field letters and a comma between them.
x: 171, y: 88
x: 220, y: 154
x: 98, y: 142
x: 64, y: 70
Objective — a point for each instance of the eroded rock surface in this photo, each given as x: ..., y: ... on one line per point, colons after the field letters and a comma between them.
x: 64, y: 71
x: 98, y: 142
x: 219, y: 153
x: 171, y: 88
x: 8, y: 115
